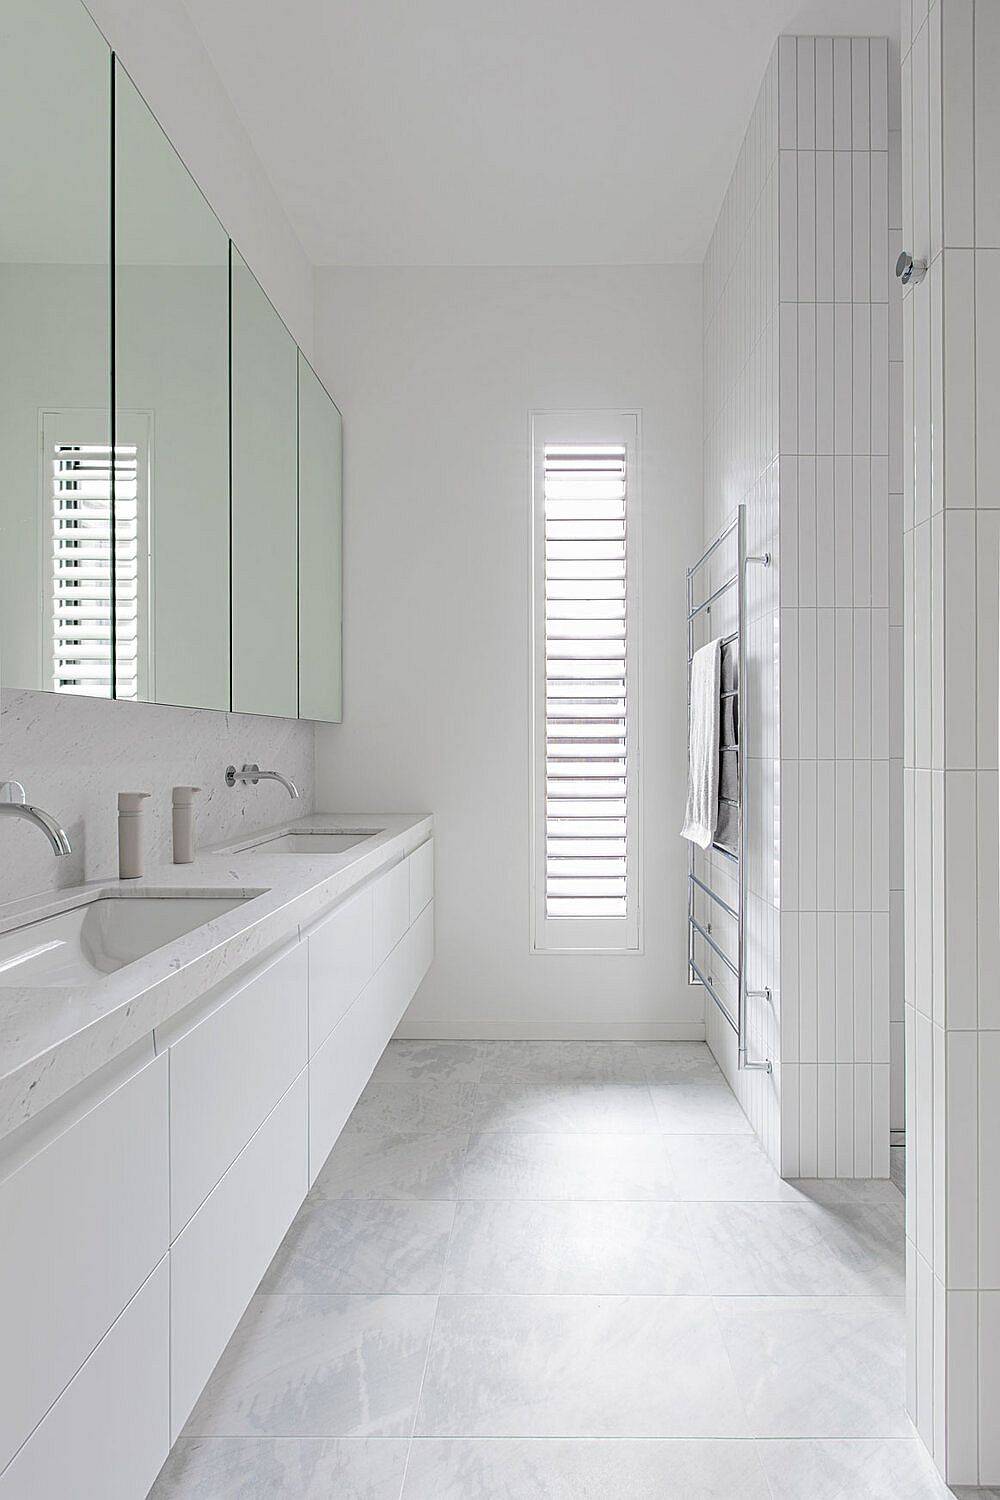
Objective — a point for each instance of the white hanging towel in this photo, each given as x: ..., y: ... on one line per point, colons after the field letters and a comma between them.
x: 702, y: 813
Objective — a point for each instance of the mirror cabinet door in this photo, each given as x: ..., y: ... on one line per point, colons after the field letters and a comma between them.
x: 320, y: 546
x: 264, y: 543
x: 55, y: 375
x: 172, y: 422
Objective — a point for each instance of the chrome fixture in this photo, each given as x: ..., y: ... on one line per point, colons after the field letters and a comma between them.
x: 737, y: 967
x: 13, y: 805
x: 908, y: 269
x: 250, y: 775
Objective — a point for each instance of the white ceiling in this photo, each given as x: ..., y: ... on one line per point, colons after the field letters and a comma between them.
x: 515, y: 132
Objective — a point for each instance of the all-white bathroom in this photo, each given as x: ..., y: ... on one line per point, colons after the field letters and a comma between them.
x: 499, y: 820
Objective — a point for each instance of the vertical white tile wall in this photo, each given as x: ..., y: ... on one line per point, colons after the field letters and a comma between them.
x: 951, y: 518
x: 803, y: 402
x: 840, y: 503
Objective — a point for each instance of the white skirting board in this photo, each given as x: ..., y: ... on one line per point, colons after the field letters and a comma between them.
x: 548, y: 1031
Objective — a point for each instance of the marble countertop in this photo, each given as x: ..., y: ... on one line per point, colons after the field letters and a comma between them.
x: 52, y: 1039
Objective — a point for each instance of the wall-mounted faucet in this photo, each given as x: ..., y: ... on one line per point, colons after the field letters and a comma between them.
x: 13, y: 805
x: 250, y: 775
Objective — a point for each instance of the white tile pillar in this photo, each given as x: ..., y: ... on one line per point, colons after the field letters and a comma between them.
x: 951, y: 336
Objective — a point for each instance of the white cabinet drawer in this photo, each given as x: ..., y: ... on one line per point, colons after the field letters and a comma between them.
x: 228, y: 1072
x: 107, y: 1436
x: 221, y: 1255
x: 340, y: 963
x: 421, y: 948
x: 421, y: 863
x: 392, y: 909
x: 84, y: 1222
x: 340, y: 1069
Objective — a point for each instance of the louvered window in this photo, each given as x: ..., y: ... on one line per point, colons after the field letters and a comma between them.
x: 585, y: 810
x: 79, y: 573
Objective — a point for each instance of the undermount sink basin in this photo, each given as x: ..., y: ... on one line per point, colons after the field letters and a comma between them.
x: 312, y: 843
x: 89, y: 941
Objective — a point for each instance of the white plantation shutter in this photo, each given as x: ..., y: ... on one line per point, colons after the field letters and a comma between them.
x: 78, y: 593
x: 586, y: 892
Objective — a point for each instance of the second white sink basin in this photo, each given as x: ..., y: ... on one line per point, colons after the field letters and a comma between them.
x: 89, y: 941
x: 312, y: 843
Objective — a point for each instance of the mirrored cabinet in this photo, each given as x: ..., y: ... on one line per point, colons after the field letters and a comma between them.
x: 320, y: 439
x: 55, y: 349
x: 171, y: 519
x: 265, y: 631
x: 171, y: 422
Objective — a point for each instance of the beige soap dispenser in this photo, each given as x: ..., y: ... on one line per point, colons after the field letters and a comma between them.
x: 130, y: 834
x: 183, y: 814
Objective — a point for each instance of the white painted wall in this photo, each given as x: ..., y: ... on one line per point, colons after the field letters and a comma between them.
x: 169, y: 63
x: 740, y: 457
x: 436, y: 371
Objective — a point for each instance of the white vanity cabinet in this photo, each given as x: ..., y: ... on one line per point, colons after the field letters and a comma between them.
x: 83, y: 1223
x: 139, y: 1213
x: 342, y: 1064
x: 230, y: 1062
x: 107, y: 1436
x: 220, y: 1256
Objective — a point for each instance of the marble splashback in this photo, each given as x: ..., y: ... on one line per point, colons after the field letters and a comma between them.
x: 75, y: 754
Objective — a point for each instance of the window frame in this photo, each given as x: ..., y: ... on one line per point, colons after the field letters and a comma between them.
x: 589, y: 934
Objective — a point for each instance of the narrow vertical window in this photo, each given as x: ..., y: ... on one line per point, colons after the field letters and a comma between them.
x: 585, y: 719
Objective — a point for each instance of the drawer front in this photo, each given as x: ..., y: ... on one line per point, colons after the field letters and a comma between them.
x: 221, y: 1255
x: 107, y: 1436
x: 392, y: 909
x: 228, y: 1072
x: 421, y: 949
x: 84, y: 1223
x: 341, y: 1068
x: 340, y: 964
x: 343, y: 1065
x: 421, y: 863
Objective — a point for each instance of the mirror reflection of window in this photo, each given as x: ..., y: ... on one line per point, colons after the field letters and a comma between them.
x: 80, y: 654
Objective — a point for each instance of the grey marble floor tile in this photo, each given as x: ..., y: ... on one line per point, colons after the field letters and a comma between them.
x: 701, y: 1107
x: 363, y: 1247
x: 573, y: 1247
x: 521, y: 1106
x: 403, y: 1165
x: 814, y: 1367
x: 562, y: 1062
x: 798, y: 1249
x: 726, y: 1168
x: 611, y: 1167
x: 269, y: 1468
x: 578, y: 1367
x: 583, y: 1469
x: 868, y: 1192
x: 430, y: 1063
x: 391, y: 1107
x: 318, y: 1366
x: 897, y: 1168
x: 678, y: 1062
x: 858, y: 1469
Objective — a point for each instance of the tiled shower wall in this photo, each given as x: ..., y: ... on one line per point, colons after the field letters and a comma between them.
x: 802, y: 378
x: 951, y: 331
x: 841, y: 599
